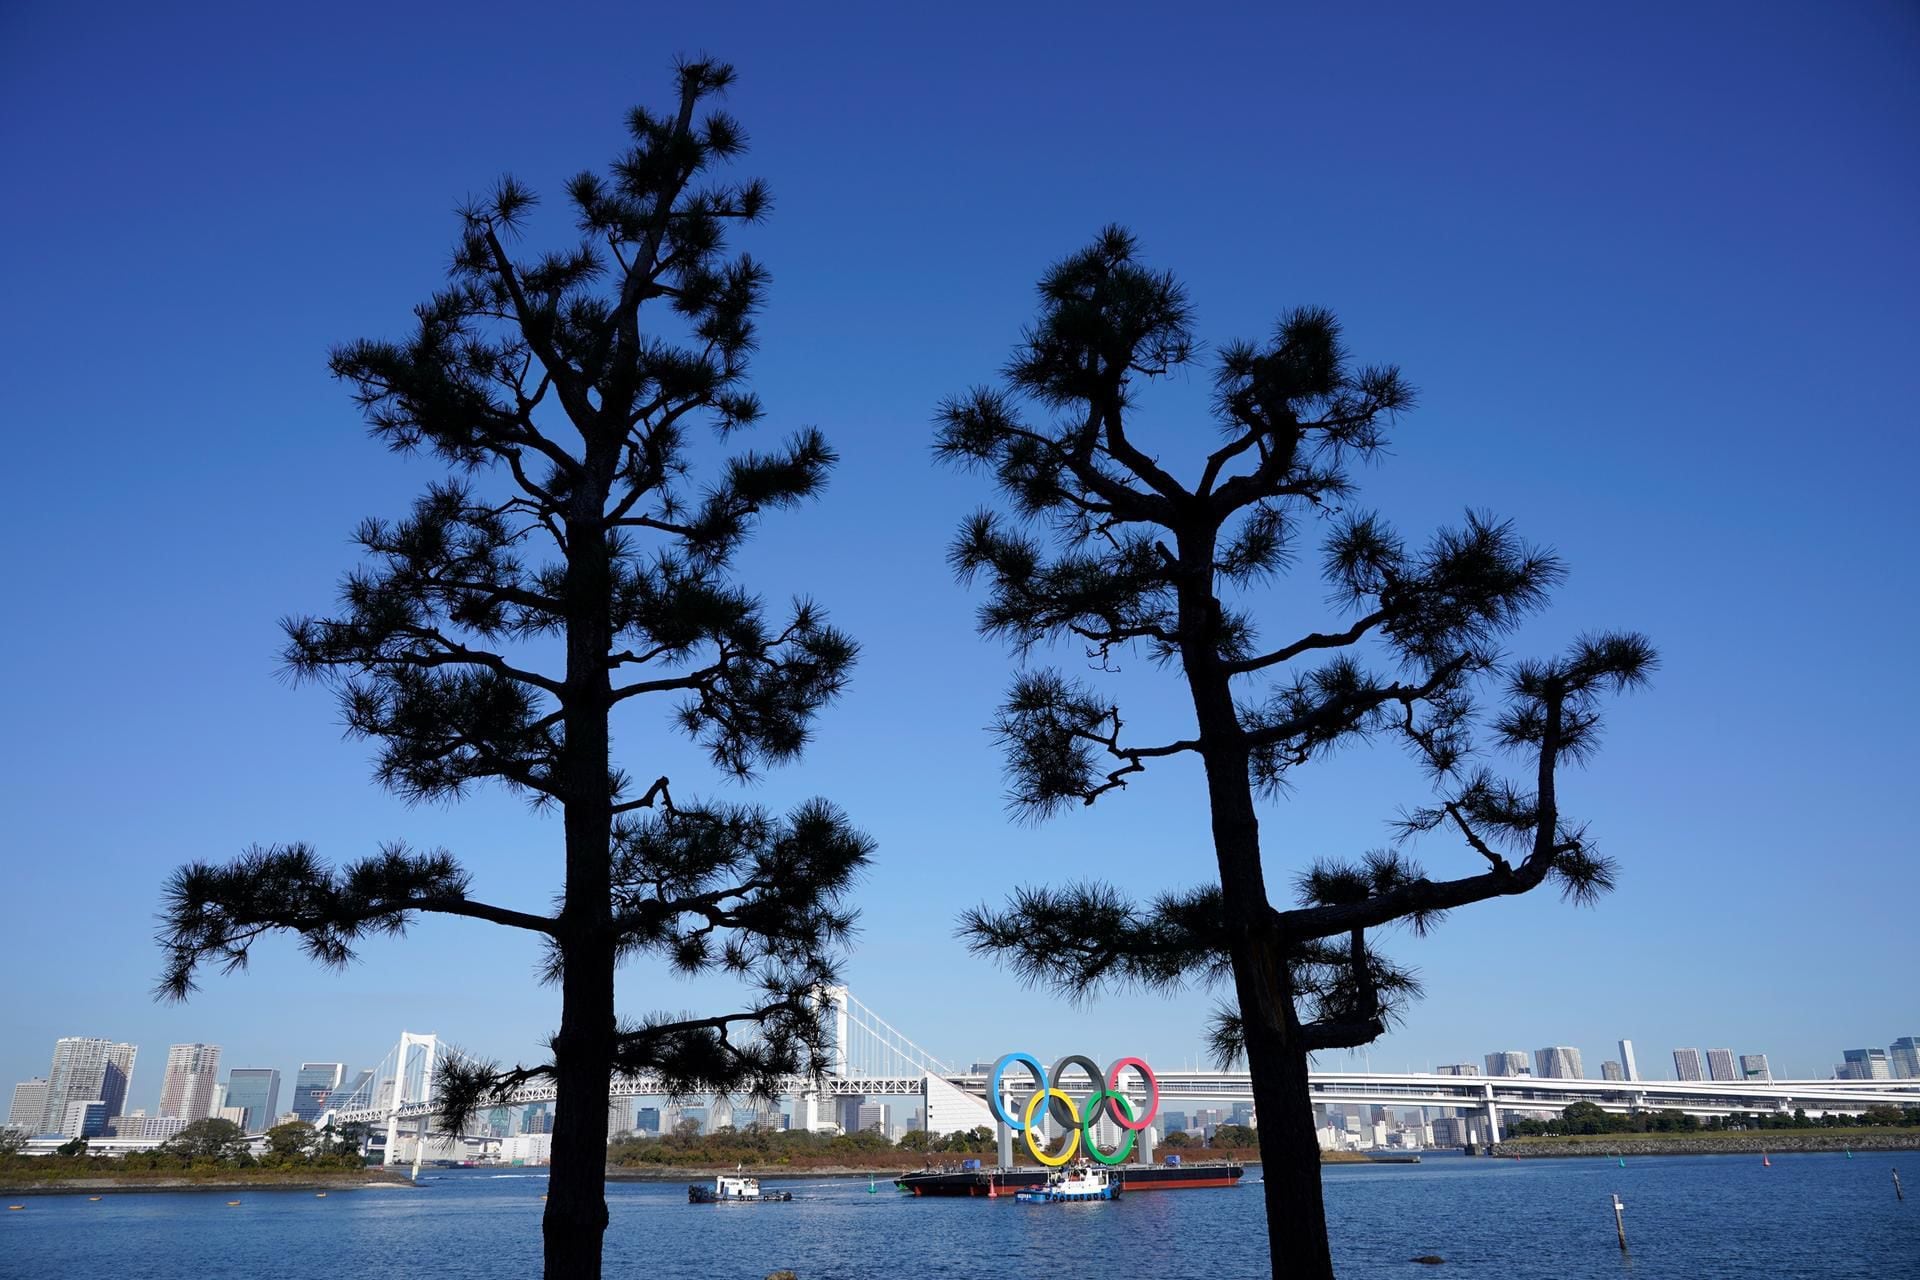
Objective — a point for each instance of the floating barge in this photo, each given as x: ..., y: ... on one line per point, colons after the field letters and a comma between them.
x: 1007, y: 1182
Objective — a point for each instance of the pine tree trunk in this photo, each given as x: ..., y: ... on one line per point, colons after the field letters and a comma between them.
x: 575, y: 1222
x: 1297, y: 1244
x: 1276, y: 1061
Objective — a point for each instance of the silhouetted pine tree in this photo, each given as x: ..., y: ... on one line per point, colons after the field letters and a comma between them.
x: 565, y: 568
x: 1100, y: 543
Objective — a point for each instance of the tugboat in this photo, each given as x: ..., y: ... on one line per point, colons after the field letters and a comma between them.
x: 972, y: 1180
x: 728, y: 1189
x: 1081, y: 1181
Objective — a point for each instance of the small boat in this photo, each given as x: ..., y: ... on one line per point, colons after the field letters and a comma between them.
x: 730, y: 1189
x: 1080, y: 1181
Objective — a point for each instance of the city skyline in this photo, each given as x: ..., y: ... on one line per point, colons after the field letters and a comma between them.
x: 192, y: 1071
x: 1680, y: 194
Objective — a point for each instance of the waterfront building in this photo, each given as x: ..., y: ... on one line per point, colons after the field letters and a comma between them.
x: 873, y: 1115
x: 86, y: 1069
x: 1611, y: 1070
x: 1753, y: 1066
x: 256, y: 1092
x: 187, y: 1088
x: 238, y: 1115
x: 1558, y: 1062
x: 29, y: 1110
x: 649, y: 1121
x: 1688, y: 1065
x: 1457, y: 1069
x: 1867, y: 1064
x: 1627, y: 1064
x: 84, y: 1119
x: 1510, y: 1062
x: 1720, y: 1065
x: 1903, y: 1058
x: 619, y: 1116
x: 144, y: 1127
x: 1175, y: 1121
x: 313, y: 1085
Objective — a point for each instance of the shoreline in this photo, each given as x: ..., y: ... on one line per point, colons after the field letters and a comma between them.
x: 122, y: 1184
x: 1776, y: 1142
x: 681, y: 1173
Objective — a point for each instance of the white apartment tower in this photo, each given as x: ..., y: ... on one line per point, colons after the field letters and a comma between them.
x: 86, y: 1069
x: 186, y: 1091
x: 1627, y: 1063
x: 1688, y: 1065
x: 1720, y: 1065
x: 1558, y: 1062
x: 29, y: 1105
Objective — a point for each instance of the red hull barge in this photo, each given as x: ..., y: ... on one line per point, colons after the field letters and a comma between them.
x: 1004, y: 1182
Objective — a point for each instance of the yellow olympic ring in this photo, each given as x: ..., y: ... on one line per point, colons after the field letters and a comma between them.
x: 1073, y: 1140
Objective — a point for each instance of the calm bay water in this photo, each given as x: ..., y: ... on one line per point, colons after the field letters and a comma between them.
x: 1693, y: 1217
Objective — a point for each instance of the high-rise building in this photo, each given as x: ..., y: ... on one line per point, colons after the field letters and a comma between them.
x: 256, y: 1091
x: 86, y: 1069
x: 1457, y: 1069
x: 1867, y: 1064
x: 648, y: 1121
x: 1558, y: 1062
x: 313, y: 1085
x: 1903, y: 1058
x: 1753, y: 1066
x: 356, y: 1092
x: 1611, y: 1070
x: 1720, y: 1065
x: 29, y: 1110
x: 873, y: 1115
x: 1510, y: 1062
x: 186, y: 1091
x: 1627, y: 1064
x: 1689, y: 1065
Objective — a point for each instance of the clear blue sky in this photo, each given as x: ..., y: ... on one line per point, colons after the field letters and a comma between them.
x: 1653, y: 269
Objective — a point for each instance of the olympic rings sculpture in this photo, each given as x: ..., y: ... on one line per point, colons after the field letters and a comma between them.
x: 1106, y: 1093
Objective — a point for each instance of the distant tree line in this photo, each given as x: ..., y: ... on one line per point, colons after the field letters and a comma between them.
x: 206, y: 1147
x: 1587, y: 1118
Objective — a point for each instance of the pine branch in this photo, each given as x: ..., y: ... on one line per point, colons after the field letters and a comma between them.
x: 217, y: 913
